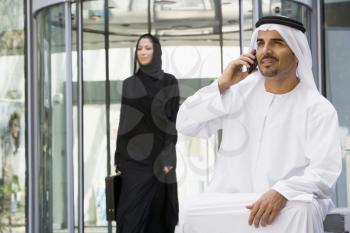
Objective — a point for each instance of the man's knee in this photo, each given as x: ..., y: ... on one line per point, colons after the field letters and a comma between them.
x: 185, y: 211
x: 306, y: 209
x: 303, y: 214
x: 295, y: 217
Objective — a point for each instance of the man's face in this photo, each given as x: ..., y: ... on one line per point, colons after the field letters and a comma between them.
x: 275, y: 58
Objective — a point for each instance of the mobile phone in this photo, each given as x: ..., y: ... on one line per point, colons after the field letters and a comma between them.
x: 254, y: 65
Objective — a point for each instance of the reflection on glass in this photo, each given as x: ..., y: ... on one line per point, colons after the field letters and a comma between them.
x: 287, y: 8
x: 51, y: 81
x: 120, y: 63
x: 230, y: 18
x: 95, y: 140
x: 337, y: 36
x: 12, y: 117
x: 12, y: 166
x: 127, y: 21
x: 95, y: 160
x: 189, y: 62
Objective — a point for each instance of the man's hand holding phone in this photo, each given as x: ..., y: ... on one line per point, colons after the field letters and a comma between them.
x: 233, y: 72
x: 253, y: 66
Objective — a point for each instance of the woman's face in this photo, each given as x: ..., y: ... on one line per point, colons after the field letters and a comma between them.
x: 145, y: 51
x: 15, y: 128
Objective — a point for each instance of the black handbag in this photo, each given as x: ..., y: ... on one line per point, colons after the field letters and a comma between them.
x: 113, y: 188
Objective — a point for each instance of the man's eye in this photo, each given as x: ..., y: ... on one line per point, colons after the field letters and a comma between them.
x: 279, y: 43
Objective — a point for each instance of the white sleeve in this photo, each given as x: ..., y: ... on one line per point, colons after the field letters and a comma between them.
x: 201, y: 114
x: 324, y: 153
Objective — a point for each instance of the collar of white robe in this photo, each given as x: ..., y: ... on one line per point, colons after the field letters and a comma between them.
x: 298, y: 43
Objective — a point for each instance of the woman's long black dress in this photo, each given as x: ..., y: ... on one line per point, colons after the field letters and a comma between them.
x: 145, y: 144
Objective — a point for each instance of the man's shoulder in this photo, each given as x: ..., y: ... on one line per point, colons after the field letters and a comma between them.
x: 317, y: 104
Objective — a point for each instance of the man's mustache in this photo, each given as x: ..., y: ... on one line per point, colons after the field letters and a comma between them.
x: 268, y: 57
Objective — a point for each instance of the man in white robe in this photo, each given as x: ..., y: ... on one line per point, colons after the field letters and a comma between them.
x: 280, y: 156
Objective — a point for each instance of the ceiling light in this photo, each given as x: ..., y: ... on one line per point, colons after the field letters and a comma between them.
x: 181, y: 27
x: 232, y: 21
x: 226, y: 2
x: 164, y: 2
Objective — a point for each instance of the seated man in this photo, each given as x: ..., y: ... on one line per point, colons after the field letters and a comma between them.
x: 280, y: 156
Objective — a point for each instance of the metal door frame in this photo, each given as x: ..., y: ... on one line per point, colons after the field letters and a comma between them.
x: 32, y: 141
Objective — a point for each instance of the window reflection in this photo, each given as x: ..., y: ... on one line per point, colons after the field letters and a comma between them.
x: 337, y: 33
x: 12, y: 123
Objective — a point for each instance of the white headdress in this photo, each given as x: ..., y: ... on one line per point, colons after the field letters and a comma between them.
x: 298, y: 43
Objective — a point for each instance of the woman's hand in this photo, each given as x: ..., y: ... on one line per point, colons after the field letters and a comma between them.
x: 233, y: 72
x: 167, y: 169
x: 116, y: 168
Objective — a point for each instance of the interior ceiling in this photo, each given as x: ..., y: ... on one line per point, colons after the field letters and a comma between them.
x: 175, y: 21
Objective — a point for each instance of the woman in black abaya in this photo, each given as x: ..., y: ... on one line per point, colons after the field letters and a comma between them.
x: 146, y: 141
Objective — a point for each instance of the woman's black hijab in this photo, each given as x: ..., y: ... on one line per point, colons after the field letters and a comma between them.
x: 153, y: 69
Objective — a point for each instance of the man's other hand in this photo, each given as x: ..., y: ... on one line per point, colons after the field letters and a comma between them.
x: 266, y: 208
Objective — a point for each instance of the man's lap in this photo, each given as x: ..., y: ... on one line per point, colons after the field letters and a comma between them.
x: 227, y: 213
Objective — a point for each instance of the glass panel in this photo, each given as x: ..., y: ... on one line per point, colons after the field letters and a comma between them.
x: 95, y: 165
x: 12, y: 117
x: 230, y: 18
x: 192, y: 62
x: 191, y: 52
x: 75, y: 114
x: 121, y: 62
x: 231, y: 40
x: 247, y: 23
x: 337, y: 34
x: 128, y: 17
x: 51, y: 81
x: 287, y: 8
x: 190, y: 17
x: 122, y: 41
x: 95, y: 138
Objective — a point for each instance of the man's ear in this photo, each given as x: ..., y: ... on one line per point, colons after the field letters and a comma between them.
x: 296, y: 60
x: 295, y: 57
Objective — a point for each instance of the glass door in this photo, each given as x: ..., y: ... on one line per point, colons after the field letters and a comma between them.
x: 337, y: 32
x: 52, y: 102
x: 12, y: 118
